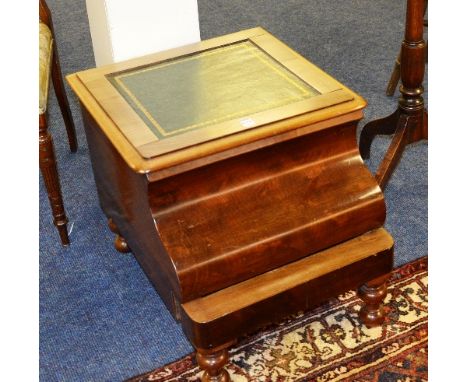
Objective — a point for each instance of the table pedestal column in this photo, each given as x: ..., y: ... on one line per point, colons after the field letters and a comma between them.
x: 409, y: 122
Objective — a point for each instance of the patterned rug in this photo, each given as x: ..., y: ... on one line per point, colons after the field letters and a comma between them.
x: 329, y: 343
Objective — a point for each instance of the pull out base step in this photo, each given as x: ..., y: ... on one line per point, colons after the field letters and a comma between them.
x: 221, y: 317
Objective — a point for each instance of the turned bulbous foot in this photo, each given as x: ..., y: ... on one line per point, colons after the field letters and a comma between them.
x: 120, y: 243
x: 212, y: 362
x: 373, y: 294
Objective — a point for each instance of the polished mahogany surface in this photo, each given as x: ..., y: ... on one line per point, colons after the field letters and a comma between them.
x: 301, y: 285
x: 250, y: 216
x: 285, y: 202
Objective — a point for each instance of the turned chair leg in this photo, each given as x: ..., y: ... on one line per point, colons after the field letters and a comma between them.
x: 120, y: 243
x: 212, y: 362
x: 373, y: 293
x: 59, y: 89
x: 48, y: 166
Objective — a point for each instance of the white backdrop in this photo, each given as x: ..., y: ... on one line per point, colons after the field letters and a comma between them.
x: 123, y: 29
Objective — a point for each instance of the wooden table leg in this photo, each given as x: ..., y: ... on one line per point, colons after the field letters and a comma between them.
x: 383, y: 126
x: 408, y: 122
x: 395, y: 77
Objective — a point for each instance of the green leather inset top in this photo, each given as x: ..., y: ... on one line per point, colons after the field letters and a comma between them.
x: 210, y: 87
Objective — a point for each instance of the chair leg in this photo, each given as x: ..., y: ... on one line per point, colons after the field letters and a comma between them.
x: 59, y: 88
x: 48, y: 168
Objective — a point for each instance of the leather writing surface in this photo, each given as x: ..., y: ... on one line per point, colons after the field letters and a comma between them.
x: 209, y: 87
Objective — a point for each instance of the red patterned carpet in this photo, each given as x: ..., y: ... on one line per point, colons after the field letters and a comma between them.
x: 329, y: 343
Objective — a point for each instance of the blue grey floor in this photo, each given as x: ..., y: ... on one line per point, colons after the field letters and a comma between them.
x: 100, y: 319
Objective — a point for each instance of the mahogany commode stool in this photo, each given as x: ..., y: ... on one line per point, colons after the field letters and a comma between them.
x: 230, y: 169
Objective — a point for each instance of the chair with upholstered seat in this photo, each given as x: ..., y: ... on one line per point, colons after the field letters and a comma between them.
x: 49, y: 67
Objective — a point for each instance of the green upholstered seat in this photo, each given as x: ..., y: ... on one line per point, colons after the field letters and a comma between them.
x: 45, y: 60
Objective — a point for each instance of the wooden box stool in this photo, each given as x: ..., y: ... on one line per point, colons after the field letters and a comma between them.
x: 230, y: 169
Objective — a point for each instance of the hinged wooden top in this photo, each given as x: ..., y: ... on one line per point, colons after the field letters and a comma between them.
x: 184, y: 104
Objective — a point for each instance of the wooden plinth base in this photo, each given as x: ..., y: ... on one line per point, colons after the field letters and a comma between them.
x: 364, y: 262
x: 214, y: 322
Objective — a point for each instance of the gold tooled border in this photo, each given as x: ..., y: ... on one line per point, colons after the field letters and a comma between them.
x: 247, y: 45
